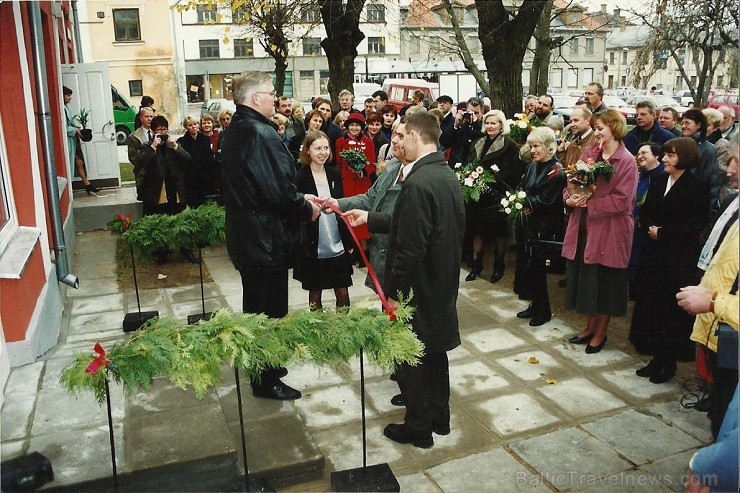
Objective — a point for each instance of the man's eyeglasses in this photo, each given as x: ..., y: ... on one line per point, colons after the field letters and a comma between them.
x: 272, y: 93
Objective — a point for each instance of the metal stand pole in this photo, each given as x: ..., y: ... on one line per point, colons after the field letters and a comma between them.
x: 241, y: 427
x: 202, y: 293
x: 362, y: 403
x: 136, y: 284
x: 110, y: 434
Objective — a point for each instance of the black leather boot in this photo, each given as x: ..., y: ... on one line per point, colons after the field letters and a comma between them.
x: 477, y: 266
x: 665, y: 372
x: 542, y: 313
x: 498, y: 268
x: 528, y: 312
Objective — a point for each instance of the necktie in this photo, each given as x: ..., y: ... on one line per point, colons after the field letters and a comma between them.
x: 400, y: 176
x: 149, y: 135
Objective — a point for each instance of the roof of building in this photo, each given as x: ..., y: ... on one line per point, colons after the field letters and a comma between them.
x: 627, y: 37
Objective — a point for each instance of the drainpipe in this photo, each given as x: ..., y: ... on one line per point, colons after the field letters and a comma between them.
x: 47, y: 146
x: 76, y: 25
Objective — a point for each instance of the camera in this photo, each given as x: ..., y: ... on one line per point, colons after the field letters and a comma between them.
x: 162, y: 137
x: 467, y: 116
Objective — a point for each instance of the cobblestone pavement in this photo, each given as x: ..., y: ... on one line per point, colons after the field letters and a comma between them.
x: 530, y: 412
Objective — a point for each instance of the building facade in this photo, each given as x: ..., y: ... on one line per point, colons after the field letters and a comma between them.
x: 35, y: 39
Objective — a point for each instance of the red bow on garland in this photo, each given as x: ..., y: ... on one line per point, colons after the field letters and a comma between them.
x: 95, y: 364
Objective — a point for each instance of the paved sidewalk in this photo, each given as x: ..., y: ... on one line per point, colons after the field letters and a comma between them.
x: 530, y: 412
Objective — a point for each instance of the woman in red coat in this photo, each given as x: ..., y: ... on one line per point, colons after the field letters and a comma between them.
x: 356, y: 182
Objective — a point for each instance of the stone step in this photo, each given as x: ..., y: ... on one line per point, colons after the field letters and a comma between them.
x: 96, y: 211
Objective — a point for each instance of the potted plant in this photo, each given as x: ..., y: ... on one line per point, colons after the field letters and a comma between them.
x: 84, y: 117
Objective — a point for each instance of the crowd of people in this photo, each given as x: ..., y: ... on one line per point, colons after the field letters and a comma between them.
x: 660, y: 229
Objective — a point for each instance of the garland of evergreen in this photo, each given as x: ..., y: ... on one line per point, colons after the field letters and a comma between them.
x: 190, y: 356
x: 156, y: 233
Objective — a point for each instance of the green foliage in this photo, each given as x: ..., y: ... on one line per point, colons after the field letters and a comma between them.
x: 355, y: 158
x: 191, y: 356
x: 83, y: 117
x: 150, y: 235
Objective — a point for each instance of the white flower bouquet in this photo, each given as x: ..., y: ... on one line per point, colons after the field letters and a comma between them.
x: 475, y: 180
x: 514, y: 204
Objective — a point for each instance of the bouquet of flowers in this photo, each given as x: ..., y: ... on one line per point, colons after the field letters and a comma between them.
x: 583, y: 174
x: 475, y: 179
x: 521, y: 126
x: 514, y: 204
x: 355, y: 159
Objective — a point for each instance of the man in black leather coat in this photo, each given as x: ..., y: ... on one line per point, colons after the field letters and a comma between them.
x: 263, y: 210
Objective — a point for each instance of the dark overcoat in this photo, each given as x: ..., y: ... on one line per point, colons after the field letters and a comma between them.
x: 426, y: 231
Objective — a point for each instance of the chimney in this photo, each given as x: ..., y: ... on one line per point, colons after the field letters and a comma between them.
x: 617, y: 13
x: 603, y: 8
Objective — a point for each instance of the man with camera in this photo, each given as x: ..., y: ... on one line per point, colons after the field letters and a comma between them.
x: 161, y: 177
x: 467, y: 128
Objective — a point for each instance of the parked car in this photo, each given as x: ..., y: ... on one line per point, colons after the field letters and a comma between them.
x: 619, y: 104
x: 726, y: 99
x: 400, y: 91
x: 659, y: 101
x: 214, y: 106
x: 684, y: 98
x: 124, y: 116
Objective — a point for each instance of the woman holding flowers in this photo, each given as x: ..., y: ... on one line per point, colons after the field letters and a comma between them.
x: 498, y: 154
x: 672, y: 217
x: 542, y: 218
x: 355, y: 175
x: 598, y: 239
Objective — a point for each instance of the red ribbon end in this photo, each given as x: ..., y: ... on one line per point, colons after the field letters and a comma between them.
x: 95, y: 364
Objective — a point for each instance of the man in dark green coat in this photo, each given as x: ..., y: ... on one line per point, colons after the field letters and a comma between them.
x: 426, y: 231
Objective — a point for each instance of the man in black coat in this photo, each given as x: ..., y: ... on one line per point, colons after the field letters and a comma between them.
x: 263, y: 210
x: 468, y: 126
x: 425, y: 244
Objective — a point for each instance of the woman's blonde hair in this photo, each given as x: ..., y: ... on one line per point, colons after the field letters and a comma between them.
x: 501, y: 117
x: 341, y: 116
x: 280, y: 119
x: 612, y: 119
x: 189, y: 119
x: 544, y: 136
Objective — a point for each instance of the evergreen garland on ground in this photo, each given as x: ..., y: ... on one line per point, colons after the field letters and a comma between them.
x: 191, y: 355
x: 156, y: 233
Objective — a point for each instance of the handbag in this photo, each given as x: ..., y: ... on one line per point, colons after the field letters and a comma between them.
x: 726, y: 346
x: 544, y: 253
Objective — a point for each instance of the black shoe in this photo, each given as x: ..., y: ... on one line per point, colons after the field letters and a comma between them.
x: 441, y: 429
x: 398, y: 400
x: 648, y: 370
x: 704, y: 405
x: 540, y: 319
x: 278, y: 391
x: 394, y: 377
x: 474, y: 273
x: 188, y: 256
x: 580, y: 340
x: 280, y: 372
x: 595, y: 349
x: 497, y: 275
x: 528, y: 313
x: 664, y: 373
x: 400, y: 434
x: 91, y: 190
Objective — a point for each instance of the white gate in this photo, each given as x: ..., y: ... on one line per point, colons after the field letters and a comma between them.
x: 91, y: 86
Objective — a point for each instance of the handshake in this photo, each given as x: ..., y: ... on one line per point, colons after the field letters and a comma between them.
x: 329, y: 205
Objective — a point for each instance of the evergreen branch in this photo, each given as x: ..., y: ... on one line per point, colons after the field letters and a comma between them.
x: 190, y: 356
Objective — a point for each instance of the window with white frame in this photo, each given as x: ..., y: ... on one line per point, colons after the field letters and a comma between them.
x: 243, y: 48
x: 375, y: 45
x: 589, y: 46
x: 414, y: 46
x: 375, y: 12
x: 611, y: 58
x: 572, y: 77
x: 587, y: 76
x: 8, y: 217
x: 310, y: 14
x: 311, y: 46
x: 573, y: 46
x: 206, y: 13
x: 126, y: 25
x: 209, y: 48
x: 556, y: 77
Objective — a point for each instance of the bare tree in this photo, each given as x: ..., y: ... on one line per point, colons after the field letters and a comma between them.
x: 274, y: 22
x: 461, y: 49
x: 341, y: 20
x: 504, y: 35
x: 701, y: 31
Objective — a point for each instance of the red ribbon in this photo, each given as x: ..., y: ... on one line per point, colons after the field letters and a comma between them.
x: 95, y: 364
x: 389, y: 310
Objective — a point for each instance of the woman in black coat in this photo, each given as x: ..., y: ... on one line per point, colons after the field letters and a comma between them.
x: 202, y: 162
x: 484, y: 221
x: 543, y: 183
x: 673, y: 215
x: 323, y: 263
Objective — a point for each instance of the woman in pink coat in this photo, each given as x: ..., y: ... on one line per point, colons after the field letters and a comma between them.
x: 598, y: 240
